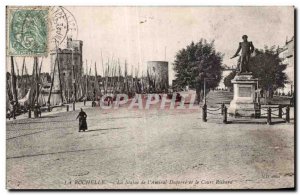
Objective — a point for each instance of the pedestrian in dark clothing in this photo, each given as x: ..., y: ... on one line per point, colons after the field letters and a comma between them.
x: 82, y: 120
x: 8, y: 115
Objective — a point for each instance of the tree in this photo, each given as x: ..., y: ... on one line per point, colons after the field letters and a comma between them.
x: 196, y: 62
x: 228, y: 78
x: 268, y: 67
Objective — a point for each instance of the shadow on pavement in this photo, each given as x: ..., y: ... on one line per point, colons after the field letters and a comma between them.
x: 104, y: 129
x: 255, y: 122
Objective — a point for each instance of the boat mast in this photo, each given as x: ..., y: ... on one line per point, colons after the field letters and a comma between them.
x: 58, y: 68
x: 90, y: 72
x: 73, y: 77
x: 103, y: 74
x: 40, y: 69
x: 86, y: 78
x: 23, y: 67
x: 13, y: 81
x: 96, y: 83
x: 36, y: 79
x: 52, y: 81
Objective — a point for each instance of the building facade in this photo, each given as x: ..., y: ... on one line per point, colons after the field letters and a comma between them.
x: 286, y: 52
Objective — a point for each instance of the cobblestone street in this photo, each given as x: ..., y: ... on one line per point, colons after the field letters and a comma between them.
x: 147, y: 149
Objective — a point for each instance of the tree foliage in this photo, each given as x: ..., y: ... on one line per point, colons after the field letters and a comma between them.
x: 194, y: 63
x: 268, y: 67
x: 228, y: 78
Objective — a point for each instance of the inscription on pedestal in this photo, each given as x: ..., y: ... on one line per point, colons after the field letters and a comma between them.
x: 244, y: 91
x: 243, y: 101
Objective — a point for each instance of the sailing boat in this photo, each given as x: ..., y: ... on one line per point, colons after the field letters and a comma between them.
x: 54, y: 94
x: 21, y: 83
x: 25, y: 88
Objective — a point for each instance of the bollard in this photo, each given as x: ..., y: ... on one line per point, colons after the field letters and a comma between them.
x: 287, y: 114
x: 73, y: 106
x: 49, y: 108
x: 84, y: 101
x: 269, y: 119
x: 280, y: 111
x: 258, y: 111
x: 225, y: 115
x: 222, y: 108
x: 204, y: 113
x: 14, y: 114
x: 29, y: 113
x: 67, y: 108
x: 35, y: 112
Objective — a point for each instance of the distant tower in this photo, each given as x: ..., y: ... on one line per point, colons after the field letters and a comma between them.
x: 159, y: 74
x: 71, y: 55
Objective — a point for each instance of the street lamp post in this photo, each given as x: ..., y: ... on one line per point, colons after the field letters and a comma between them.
x: 204, y: 88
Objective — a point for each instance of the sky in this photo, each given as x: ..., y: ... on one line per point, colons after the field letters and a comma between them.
x: 141, y: 34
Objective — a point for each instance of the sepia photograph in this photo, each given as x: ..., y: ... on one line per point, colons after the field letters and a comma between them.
x: 150, y: 97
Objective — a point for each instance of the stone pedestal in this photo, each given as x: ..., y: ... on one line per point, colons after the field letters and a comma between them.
x: 244, y: 99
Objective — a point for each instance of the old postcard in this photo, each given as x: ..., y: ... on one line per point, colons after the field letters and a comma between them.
x: 150, y: 97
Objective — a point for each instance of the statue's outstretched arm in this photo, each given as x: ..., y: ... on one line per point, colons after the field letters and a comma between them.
x: 237, y: 51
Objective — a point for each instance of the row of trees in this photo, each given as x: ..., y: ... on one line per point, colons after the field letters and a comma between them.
x: 199, y: 62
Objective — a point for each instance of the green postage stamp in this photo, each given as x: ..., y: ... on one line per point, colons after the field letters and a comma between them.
x: 27, y: 31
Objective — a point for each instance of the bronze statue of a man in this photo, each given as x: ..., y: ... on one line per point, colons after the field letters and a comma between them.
x: 247, y: 49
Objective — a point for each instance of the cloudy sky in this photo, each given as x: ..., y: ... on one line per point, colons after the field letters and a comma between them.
x: 141, y: 34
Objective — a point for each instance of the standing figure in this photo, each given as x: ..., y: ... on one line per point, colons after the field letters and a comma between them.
x: 8, y: 114
x: 247, y: 49
x: 14, y: 109
x: 82, y: 120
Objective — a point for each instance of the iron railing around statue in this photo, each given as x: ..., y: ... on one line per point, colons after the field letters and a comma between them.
x: 269, y: 112
x: 215, y: 112
x: 276, y: 112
